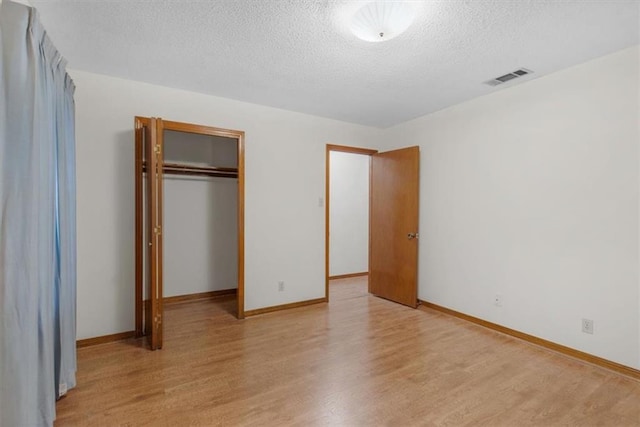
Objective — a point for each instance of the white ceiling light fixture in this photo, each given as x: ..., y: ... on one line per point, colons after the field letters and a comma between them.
x: 382, y: 20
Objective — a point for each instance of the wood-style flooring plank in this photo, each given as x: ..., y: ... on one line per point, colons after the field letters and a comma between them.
x: 357, y: 361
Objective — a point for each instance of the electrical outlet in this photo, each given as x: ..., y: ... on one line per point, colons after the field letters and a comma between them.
x: 281, y: 286
x: 497, y: 301
x: 587, y: 326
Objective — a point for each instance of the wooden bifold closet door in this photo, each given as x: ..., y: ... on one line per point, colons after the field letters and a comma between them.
x: 149, y: 160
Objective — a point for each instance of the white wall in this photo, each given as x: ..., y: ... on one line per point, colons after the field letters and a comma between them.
x: 200, y: 235
x: 24, y: 2
x: 349, y: 213
x: 284, y: 224
x: 532, y: 192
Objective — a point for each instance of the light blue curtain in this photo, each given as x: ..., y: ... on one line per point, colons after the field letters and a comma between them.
x: 37, y: 221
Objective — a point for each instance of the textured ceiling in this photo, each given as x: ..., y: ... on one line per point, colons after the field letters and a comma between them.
x: 299, y: 54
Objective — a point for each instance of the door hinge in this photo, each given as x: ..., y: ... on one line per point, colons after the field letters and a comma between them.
x: 157, y: 230
x: 156, y: 149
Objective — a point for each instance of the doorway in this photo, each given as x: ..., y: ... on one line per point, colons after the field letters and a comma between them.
x: 393, y: 222
x: 347, y: 212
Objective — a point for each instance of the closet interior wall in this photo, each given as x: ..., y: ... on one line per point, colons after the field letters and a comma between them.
x: 200, y: 247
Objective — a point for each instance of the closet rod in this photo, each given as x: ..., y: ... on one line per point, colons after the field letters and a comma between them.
x: 183, y: 169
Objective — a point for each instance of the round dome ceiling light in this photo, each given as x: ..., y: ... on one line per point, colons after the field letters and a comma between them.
x: 382, y: 20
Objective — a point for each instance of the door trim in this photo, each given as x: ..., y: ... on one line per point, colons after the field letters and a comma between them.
x: 329, y: 149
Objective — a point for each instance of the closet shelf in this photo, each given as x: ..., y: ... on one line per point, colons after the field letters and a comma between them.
x: 186, y: 169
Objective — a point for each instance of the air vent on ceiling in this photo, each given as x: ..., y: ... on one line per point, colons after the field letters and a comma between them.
x: 508, y: 77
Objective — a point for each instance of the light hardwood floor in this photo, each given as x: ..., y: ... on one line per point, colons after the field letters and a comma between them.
x: 357, y: 361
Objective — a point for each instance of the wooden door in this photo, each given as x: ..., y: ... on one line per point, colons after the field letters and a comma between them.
x: 154, y: 218
x: 149, y: 160
x: 393, y: 222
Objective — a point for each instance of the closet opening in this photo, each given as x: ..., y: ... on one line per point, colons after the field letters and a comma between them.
x: 189, y: 218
